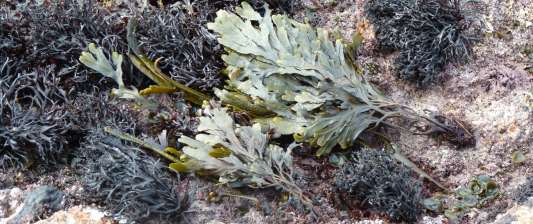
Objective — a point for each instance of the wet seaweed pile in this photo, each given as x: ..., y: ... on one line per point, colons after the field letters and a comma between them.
x: 130, y: 182
x: 139, y: 96
x: 381, y: 183
x: 36, y: 36
x: 52, y: 107
x: 35, y: 126
x: 428, y: 35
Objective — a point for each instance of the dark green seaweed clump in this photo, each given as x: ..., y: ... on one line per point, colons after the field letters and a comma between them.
x: 428, y: 34
x: 40, y: 77
x: 381, y: 183
x: 56, y: 32
x: 130, y: 182
x: 34, y: 125
x: 178, y: 35
x: 188, y: 52
x: 279, y: 6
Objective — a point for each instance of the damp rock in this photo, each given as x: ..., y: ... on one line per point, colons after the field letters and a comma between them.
x: 10, y: 199
x: 519, y: 213
x: 77, y: 214
x: 38, y: 203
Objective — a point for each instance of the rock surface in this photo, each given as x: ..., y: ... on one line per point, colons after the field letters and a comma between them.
x: 77, y: 215
x: 518, y: 214
x: 41, y: 201
x: 10, y: 200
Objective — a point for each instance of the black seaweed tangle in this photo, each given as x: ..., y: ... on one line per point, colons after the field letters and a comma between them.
x: 129, y: 182
x: 36, y: 35
x: 179, y: 36
x: 34, y: 124
x: 382, y: 184
x: 428, y: 34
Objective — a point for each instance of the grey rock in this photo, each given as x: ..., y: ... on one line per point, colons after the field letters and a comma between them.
x: 77, y: 215
x: 10, y: 200
x: 518, y: 214
x: 42, y: 200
